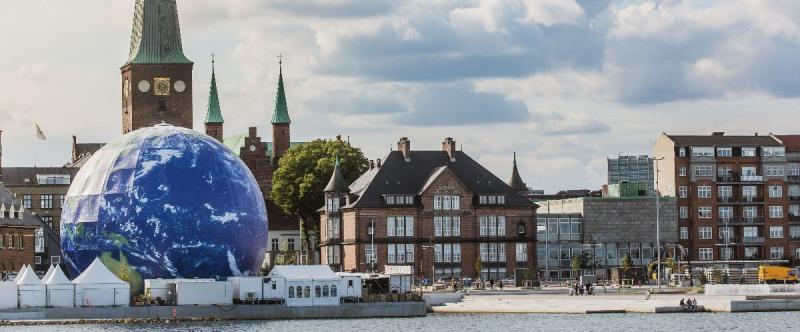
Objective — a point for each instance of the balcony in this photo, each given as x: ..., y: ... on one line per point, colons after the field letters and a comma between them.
x: 753, y: 240
x: 794, y: 198
x: 795, y: 238
x: 727, y: 199
x: 752, y: 220
x: 729, y: 241
x: 752, y: 200
x: 794, y: 218
x: 731, y: 221
x: 740, y: 179
x: 793, y: 178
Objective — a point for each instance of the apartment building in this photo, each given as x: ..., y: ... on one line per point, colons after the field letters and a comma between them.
x: 732, y: 196
x: 436, y: 211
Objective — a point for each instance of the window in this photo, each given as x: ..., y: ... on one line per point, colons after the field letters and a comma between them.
x: 307, y: 292
x: 48, y: 220
x: 275, y: 245
x: 37, y: 260
x: 704, y: 170
x: 776, y: 211
x: 684, y: 212
x: 794, y: 190
x: 447, y: 226
x: 724, y: 191
x: 400, y: 253
x: 775, y: 191
x: 522, y: 252
x: 492, y: 199
x: 47, y: 201
x: 38, y: 244
x: 55, y: 260
x: 706, y: 254
x: 748, y: 152
x: 446, y: 202
x: 52, y: 178
x: 776, y: 252
x: 333, y: 253
x: 326, y: 291
x: 749, y: 192
x: 682, y: 171
x: 793, y: 169
x: 332, y: 204
x: 684, y: 233
x: 704, y: 191
x: 681, y: 152
x: 797, y: 253
x: 332, y: 227
x: 290, y: 246
x: 726, y: 253
x: 750, y: 231
x: 794, y: 210
x: 683, y: 192
x: 333, y: 291
x: 702, y: 151
x: 27, y: 201
x: 725, y: 233
x: 61, y: 201
x: 493, y: 252
x: 400, y: 226
x: 492, y: 226
x: 704, y: 212
x: 291, y: 292
x: 775, y: 232
x: 317, y: 291
x: 447, y: 253
x: 773, y: 151
x: 705, y: 233
x: 774, y: 170
x: 370, y: 253
x: 794, y: 232
x: 749, y: 212
x: 541, y: 229
x: 724, y: 152
x: 725, y: 212
x: 750, y: 253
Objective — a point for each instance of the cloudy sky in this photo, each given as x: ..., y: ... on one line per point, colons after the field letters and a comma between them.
x: 564, y: 83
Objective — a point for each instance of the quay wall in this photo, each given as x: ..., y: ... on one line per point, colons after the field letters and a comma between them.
x: 225, y: 312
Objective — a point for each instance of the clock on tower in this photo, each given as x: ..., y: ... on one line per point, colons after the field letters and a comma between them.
x: 157, y: 78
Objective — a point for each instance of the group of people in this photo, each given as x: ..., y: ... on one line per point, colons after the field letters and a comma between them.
x: 578, y: 289
x: 689, y: 304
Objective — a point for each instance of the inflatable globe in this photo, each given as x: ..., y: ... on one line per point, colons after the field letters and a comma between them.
x: 164, y: 202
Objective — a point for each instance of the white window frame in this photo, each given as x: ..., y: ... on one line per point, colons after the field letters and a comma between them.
x: 706, y: 254
x: 705, y: 233
x: 776, y: 232
x: 776, y: 211
x: 704, y: 212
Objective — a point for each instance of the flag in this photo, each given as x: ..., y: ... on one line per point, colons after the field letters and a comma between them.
x: 39, y: 132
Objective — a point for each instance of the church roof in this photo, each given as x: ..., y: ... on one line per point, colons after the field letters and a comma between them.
x: 156, y: 36
x: 337, y: 182
x: 515, y: 182
x: 281, y: 113
x: 214, y: 112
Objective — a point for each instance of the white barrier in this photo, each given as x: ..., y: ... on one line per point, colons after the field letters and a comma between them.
x: 750, y: 289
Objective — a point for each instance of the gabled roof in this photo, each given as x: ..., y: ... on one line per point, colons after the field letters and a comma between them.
x: 156, y: 36
x: 396, y: 176
x: 792, y: 142
x: 725, y: 140
x: 97, y: 273
x: 26, y: 176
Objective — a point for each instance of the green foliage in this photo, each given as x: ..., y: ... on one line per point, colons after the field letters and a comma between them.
x: 478, y: 267
x: 528, y: 274
x: 304, y: 171
x: 627, y: 263
x: 703, y: 279
x: 671, y: 264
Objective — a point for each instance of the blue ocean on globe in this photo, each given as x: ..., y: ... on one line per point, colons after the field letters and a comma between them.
x: 165, y: 202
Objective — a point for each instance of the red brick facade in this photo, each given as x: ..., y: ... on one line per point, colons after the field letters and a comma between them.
x: 148, y: 108
x: 13, y: 253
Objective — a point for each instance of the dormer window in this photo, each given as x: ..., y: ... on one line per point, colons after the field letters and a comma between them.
x: 332, y: 204
x: 399, y: 199
x: 492, y: 200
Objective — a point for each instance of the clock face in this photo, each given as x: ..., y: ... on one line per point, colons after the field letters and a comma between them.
x: 180, y: 86
x: 144, y: 86
x: 252, y: 148
x: 161, y: 87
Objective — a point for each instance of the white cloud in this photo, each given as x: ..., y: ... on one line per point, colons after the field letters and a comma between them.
x: 552, y: 12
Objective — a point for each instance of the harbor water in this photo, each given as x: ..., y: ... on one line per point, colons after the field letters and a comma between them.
x: 766, y: 321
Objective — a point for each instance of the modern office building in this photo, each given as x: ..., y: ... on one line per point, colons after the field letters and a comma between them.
x: 734, y: 196
x: 631, y: 169
x: 606, y: 230
x: 438, y: 212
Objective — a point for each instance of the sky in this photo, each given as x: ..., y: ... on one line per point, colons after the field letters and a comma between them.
x: 563, y: 83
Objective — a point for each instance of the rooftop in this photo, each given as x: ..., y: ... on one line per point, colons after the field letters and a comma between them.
x: 720, y: 138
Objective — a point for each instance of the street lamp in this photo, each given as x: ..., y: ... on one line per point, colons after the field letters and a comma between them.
x: 658, y: 227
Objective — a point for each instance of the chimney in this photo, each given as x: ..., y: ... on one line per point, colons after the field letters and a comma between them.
x: 252, y: 132
x: 371, y: 164
x: 449, y: 146
x: 378, y: 163
x: 404, y: 146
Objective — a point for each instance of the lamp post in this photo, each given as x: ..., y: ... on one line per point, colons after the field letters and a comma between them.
x: 658, y: 227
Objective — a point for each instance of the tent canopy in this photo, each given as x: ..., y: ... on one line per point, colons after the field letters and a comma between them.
x: 97, y: 273
x: 49, y: 273
x: 28, y: 277
x: 304, y: 272
x: 57, y: 277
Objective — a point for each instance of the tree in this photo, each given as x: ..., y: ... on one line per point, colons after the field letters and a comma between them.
x: 478, y: 267
x: 627, y: 263
x: 671, y: 264
x: 580, y: 262
x: 304, y: 171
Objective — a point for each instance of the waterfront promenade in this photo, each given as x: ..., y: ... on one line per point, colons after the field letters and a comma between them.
x: 557, y: 301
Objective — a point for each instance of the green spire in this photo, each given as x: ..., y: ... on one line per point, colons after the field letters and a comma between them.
x: 214, y: 112
x: 156, y: 37
x: 281, y: 113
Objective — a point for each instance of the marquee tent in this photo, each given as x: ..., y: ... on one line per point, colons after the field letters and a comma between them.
x: 49, y: 273
x: 309, y: 285
x: 60, y: 291
x: 31, y: 290
x: 8, y: 295
x: 98, y: 287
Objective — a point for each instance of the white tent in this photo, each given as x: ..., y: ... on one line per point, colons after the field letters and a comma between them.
x: 8, y: 295
x: 49, y: 273
x: 31, y: 290
x: 60, y: 291
x: 98, y: 287
x: 309, y: 285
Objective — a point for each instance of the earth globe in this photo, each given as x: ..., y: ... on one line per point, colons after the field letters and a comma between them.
x: 164, y: 202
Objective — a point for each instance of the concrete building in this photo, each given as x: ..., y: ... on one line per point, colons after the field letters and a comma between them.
x: 435, y: 211
x: 733, y: 196
x: 605, y: 229
x: 632, y: 169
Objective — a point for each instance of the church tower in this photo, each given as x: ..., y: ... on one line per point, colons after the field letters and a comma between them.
x: 214, y: 119
x: 280, y: 122
x: 157, y: 78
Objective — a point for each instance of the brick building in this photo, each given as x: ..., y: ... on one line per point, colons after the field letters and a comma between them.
x: 437, y: 211
x: 792, y: 144
x: 733, y: 196
x: 24, y: 238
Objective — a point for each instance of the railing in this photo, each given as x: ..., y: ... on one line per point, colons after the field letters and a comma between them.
x: 794, y: 178
x: 752, y: 199
x: 731, y: 241
x: 740, y: 220
x: 794, y: 238
x: 737, y: 178
x: 793, y: 217
x: 753, y: 240
x: 727, y: 199
x: 752, y: 220
x: 794, y: 198
x: 752, y: 178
